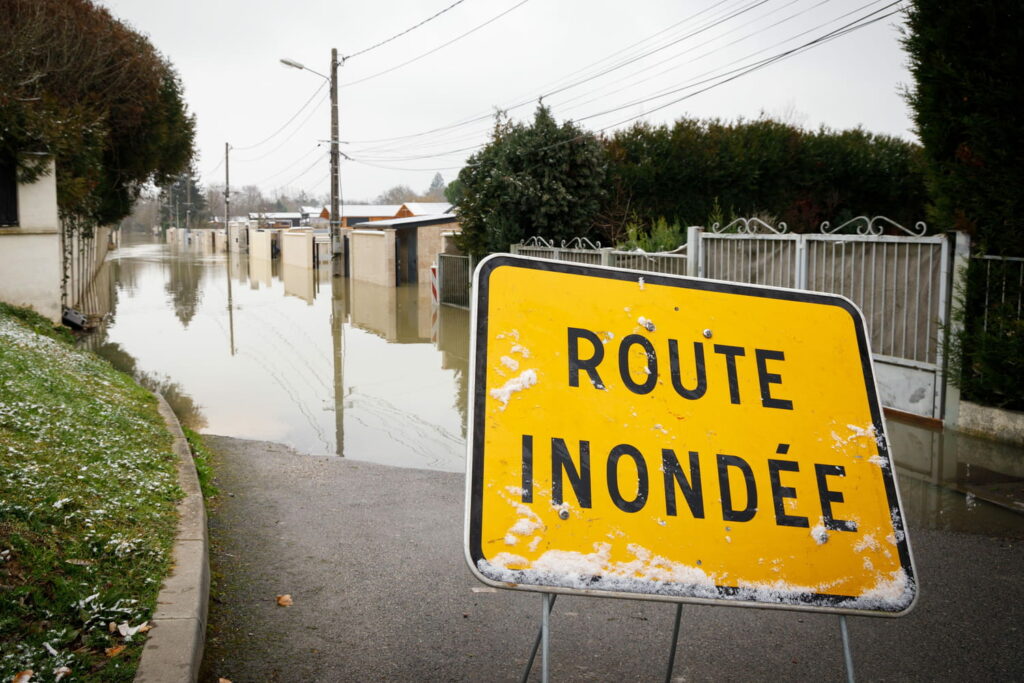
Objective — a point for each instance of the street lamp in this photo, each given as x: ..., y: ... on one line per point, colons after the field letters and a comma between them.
x: 333, y: 80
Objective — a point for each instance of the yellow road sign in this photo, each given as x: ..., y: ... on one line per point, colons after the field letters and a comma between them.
x: 690, y: 440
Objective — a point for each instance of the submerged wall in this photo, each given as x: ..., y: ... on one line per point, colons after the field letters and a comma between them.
x: 373, y: 256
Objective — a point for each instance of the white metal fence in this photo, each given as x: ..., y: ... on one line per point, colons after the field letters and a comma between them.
x: 903, y: 285
x: 454, y: 275
x: 581, y: 250
x: 1001, y: 279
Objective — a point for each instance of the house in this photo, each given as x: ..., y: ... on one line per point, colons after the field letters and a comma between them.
x: 45, y: 267
x: 276, y: 219
x: 352, y: 214
x: 399, y: 251
x: 410, y: 209
x: 315, y: 216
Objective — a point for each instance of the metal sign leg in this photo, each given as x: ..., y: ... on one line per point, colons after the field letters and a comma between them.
x: 847, y: 655
x: 540, y: 636
x: 545, y: 632
x: 675, y: 639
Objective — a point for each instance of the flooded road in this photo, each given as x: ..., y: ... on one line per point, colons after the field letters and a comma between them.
x: 331, y: 366
x: 325, y: 365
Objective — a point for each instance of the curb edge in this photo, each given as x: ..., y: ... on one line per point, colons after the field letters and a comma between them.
x: 173, y: 651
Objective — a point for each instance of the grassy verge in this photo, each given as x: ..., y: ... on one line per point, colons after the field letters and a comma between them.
x: 87, y: 508
x: 202, y: 457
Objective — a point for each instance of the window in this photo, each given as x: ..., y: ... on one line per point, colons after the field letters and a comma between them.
x: 8, y: 191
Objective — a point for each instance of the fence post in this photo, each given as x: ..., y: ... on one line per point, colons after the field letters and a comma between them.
x: 694, y: 266
x: 440, y: 278
x: 606, y: 256
x: 513, y: 248
x: 801, y: 262
x: 960, y: 245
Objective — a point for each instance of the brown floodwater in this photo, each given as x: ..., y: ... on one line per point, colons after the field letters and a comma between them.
x: 257, y: 350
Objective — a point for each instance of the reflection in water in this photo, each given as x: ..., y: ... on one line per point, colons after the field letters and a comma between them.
x: 296, y: 356
x: 260, y: 271
x: 102, y: 298
x: 452, y: 337
x: 181, y: 403
x: 183, y: 286
x: 957, y: 482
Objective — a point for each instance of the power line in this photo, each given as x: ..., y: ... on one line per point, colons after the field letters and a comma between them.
x: 285, y: 125
x: 399, y: 35
x: 364, y: 162
x: 319, y: 159
x: 439, y: 47
x: 718, y: 21
x: 289, y: 166
x: 316, y: 161
x: 214, y: 169
x: 832, y: 35
x: 656, y: 50
x: 633, y: 83
x: 533, y: 98
x: 715, y: 81
x: 290, y: 135
x: 742, y: 71
x: 730, y: 14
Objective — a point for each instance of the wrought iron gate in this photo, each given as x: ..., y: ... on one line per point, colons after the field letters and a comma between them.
x: 903, y: 284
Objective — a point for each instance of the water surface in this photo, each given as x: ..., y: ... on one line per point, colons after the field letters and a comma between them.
x: 258, y: 350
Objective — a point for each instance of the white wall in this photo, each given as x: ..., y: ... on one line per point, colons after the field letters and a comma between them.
x: 297, y: 249
x: 30, y: 275
x: 259, y: 245
x: 236, y: 236
x: 373, y: 256
x: 430, y: 242
x: 37, y: 202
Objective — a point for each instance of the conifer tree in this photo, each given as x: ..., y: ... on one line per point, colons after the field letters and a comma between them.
x: 541, y: 179
x: 968, y: 107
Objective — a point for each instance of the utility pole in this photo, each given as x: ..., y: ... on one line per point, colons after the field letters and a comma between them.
x: 227, y: 187
x: 227, y: 232
x: 333, y: 80
x: 335, y: 211
x: 188, y: 201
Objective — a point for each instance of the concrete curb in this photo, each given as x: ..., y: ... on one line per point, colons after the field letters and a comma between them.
x: 174, y: 649
x: 991, y: 423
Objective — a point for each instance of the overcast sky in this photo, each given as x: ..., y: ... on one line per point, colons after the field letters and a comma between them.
x: 633, y: 60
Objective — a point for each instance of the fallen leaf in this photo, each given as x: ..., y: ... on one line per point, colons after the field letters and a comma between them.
x: 23, y: 676
x: 114, y: 651
x: 80, y: 563
x: 145, y: 627
x: 60, y: 672
x: 223, y: 680
x: 112, y: 627
x: 284, y: 600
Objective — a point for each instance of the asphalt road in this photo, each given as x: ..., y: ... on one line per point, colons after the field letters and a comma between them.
x: 372, y: 558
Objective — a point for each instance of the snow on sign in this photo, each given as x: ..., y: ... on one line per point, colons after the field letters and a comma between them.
x: 642, y: 435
